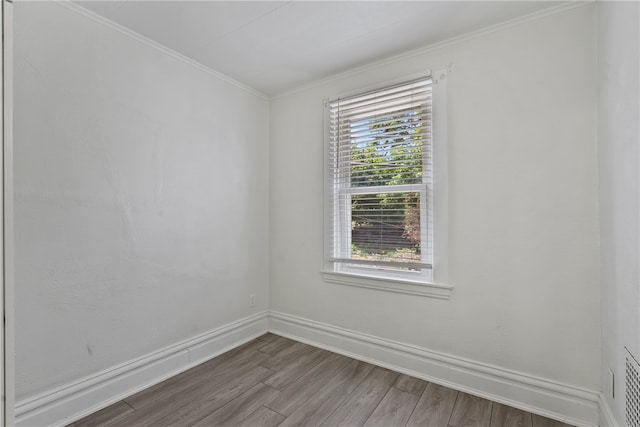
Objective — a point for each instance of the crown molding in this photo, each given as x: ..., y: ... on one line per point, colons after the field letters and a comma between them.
x: 534, y: 16
x: 145, y: 40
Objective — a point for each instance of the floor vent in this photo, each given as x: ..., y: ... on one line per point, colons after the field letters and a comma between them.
x: 632, y: 385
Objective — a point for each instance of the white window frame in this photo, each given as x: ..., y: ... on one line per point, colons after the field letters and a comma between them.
x: 430, y: 283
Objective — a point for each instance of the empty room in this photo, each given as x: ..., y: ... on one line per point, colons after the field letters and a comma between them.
x: 340, y: 213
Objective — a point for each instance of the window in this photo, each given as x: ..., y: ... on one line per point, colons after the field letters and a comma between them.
x: 380, y: 187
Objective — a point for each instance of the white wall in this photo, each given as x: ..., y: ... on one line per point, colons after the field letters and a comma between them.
x: 523, y: 223
x: 619, y: 157
x: 140, y: 198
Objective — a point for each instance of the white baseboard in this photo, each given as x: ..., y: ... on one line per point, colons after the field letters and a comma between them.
x: 607, y: 419
x: 563, y: 402
x: 73, y: 401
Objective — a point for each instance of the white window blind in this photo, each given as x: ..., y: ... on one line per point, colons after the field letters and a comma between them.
x: 380, y: 180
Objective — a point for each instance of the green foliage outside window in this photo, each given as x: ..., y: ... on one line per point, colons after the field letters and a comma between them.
x: 386, y: 225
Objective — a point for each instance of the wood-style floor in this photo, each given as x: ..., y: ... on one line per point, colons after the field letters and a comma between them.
x: 275, y: 381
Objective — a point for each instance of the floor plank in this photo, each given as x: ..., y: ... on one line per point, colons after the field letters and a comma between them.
x: 214, y: 399
x: 240, y: 407
x: 275, y: 381
x: 263, y: 417
x: 307, y: 385
x: 181, y: 408
x: 506, y: 416
x: 359, y: 405
x: 268, y: 337
x: 315, y: 410
x: 283, y: 357
x: 110, y: 414
x: 296, y: 368
x: 394, y: 410
x: 277, y: 345
x: 410, y: 384
x: 539, y: 421
x: 434, y: 407
x: 193, y: 380
x: 471, y: 411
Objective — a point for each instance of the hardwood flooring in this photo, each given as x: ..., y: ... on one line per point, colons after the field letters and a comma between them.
x: 275, y: 381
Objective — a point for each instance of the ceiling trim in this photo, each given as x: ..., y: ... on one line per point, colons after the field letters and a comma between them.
x: 149, y: 42
x: 353, y: 71
x: 438, y: 45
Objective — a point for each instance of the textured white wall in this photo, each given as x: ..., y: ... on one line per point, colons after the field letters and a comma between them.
x: 523, y: 223
x: 140, y: 198
x: 619, y: 158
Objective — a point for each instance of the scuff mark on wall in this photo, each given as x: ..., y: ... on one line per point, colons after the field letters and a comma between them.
x: 158, y: 163
x: 120, y: 191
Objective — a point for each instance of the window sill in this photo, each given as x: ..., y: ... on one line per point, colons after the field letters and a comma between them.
x: 431, y: 290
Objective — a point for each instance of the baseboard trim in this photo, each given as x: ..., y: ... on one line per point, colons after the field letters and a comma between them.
x: 75, y: 400
x: 70, y: 402
x: 563, y: 402
x: 607, y: 419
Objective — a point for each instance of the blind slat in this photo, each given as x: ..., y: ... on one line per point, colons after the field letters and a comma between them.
x: 380, y: 161
x: 382, y: 263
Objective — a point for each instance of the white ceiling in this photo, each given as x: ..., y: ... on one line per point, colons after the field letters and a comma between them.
x: 274, y: 46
